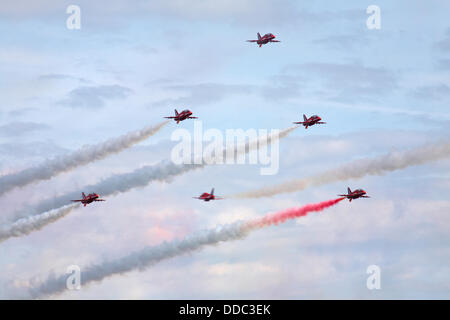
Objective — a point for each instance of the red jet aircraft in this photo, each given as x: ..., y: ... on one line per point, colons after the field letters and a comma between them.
x: 268, y: 37
x: 89, y: 198
x: 307, y: 122
x: 358, y: 193
x: 208, y: 196
x: 185, y: 114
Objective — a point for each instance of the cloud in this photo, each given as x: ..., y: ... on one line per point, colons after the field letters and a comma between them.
x: 15, y: 129
x: 343, y: 42
x: 347, y: 82
x: 20, y: 112
x: 234, y: 11
x: 283, y: 87
x: 58, y: 76
x: 440, y: 92
x: 204, y: 93
x: 31, y: 149
x: 444, y: 44
x: 94, y: 96
x: 354, y: 80
x: 444, y: 64
x: 240, y: 12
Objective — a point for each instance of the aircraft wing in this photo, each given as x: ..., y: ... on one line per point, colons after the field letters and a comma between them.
x: 365, y: 197
x: 170, y: 117
x: 252, y: 40
x: 343, y: 195
x: 321, y: 122
x: 76, y: 200
x: 192, y: 117
x: 219, y: 198
x: 99, y: 200
x: 300, y: 122
x: 275, y: 41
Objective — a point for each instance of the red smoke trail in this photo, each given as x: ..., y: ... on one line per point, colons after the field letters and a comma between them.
x: 292, y: 213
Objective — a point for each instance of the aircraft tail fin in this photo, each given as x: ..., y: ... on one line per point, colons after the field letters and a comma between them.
x: 259, y: 36
x: 176, y: 112
x: 212, y: 191
x: 84, y: 196
x: 349, y: 191
x: 305, y: 118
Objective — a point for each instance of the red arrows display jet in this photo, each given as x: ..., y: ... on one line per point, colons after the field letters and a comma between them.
x: 208, y: 196
x: 307, y: 122
x: 183, y: 115
x: 358, y: 193
x: 268, y: 37
x: 89, y: 198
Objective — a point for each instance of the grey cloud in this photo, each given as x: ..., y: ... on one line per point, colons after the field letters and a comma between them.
x: 94, y: 97
x: 439, y: 92
x: 20, y: 128
x: 344, y: 42
x: 348, y: 81
x: 444, y: 44
x: 345, y: 82
x: 282, y: 87
x: 119, y: 12
x: 32, y: 149
x: 203, y: 93
x: 145, y: 50
x: 20, y: 111
x: 58, y: 76
x: 444, y: 64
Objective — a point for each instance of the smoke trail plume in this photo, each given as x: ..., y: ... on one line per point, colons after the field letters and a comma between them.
x: 83, y: 156
x: 149, y: 256
x: 292, y: 213
x: 27, y: 225
x: 357, y: 169
x: 141, y: 177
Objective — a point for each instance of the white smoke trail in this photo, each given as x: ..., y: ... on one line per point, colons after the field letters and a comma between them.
x: 141, y: 177
x: 357, y: 169
x: 25, y: 226
x: 113, y: 185
x: 83, y: 156
x: 149, y: 256
x: 142, y: 259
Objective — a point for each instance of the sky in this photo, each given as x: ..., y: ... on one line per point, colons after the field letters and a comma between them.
x: 133, y: 62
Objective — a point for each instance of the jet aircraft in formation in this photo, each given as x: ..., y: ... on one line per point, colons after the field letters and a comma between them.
x: 308, y: 122
x: 205, y: 196
x: 88, y: 198
x: 183, y: 115
x: 268, y: 37
x: 358, y: 193
x: 187, y: 114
